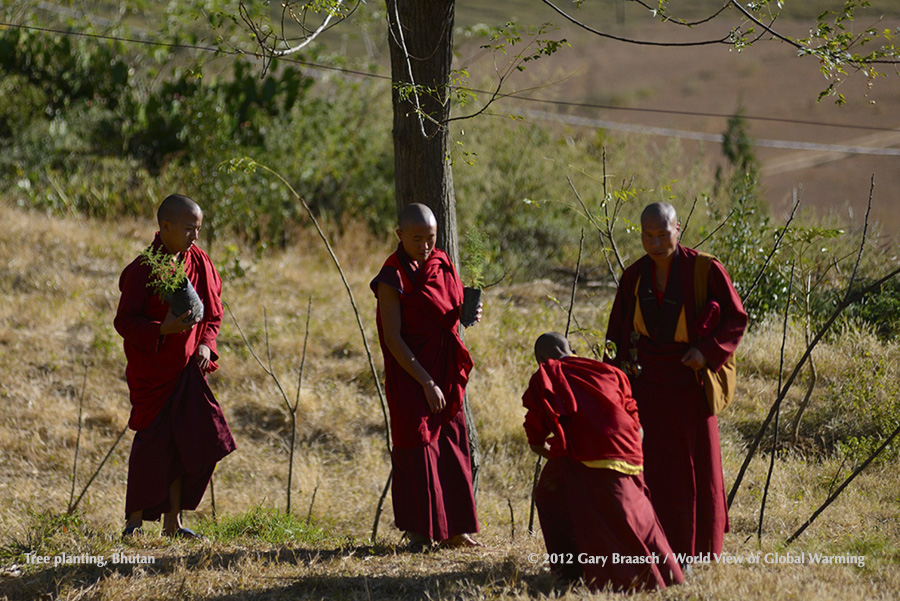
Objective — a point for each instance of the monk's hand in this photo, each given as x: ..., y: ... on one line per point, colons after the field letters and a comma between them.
x: 478, y: 311
x: 174, y: 324
x: 434, y: 396
x: 204, y: 357
x: 542, y: 450
x: 694, y: 359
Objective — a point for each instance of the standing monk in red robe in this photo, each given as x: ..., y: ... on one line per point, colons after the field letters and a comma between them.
x: 661, y: 342
x: 597, y: 520
x: 426, y: 367
x: 180, y: 431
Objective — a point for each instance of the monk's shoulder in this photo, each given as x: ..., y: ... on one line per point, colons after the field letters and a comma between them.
x: 633, y: 271
x: 198, y: 254
x: 136, y: 274
x: 590, y: 365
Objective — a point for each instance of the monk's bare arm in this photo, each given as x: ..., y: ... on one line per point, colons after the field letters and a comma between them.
x: 389, y: 305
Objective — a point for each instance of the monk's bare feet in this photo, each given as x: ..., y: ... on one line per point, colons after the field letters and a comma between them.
x: 461, y: 540
x: 418, y: 543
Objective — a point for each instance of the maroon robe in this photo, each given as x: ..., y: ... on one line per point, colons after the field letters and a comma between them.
x: 682, y: 458
x: 583, y: 408
x: 432, y: 483
x: 181, y: 431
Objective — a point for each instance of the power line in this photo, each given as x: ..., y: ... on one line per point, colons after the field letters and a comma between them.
x: 512, y: 95
x: 717, y: 138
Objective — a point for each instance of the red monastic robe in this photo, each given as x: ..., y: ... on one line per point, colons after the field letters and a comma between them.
x: 181, y: 431
x: 682, y: 458
x: 432, y: 483
x: 583, y: 408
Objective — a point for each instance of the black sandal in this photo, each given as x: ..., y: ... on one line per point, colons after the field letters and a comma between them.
x: 185, y: 533
x: 131, y: 532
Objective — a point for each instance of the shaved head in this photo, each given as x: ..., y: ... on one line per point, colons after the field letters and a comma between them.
x: 416, y: 214
x: 175, y: 206
x: 660, y: 211
x: 551, y: 345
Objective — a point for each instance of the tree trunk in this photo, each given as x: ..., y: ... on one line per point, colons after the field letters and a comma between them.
x: 422, y: 170
x: 420, y: 37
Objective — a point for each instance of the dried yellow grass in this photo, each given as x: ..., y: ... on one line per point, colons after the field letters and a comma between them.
x: 58, y: 294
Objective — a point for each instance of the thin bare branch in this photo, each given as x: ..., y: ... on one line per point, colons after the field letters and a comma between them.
x: 784, y: 336
x: 767, y: 28
x: 723, y: 40
x: 537, y: 475
x: 74, y: 505
x: 862, y: 243
x: 718, y: 227
x: 380, y: 506
x: 844, y: 485
x: 849, y: 299
x: 575, y: 282
x: 667, y: 19
x: 765, y: 265
x: 687, y: 221
x: 78, y: 436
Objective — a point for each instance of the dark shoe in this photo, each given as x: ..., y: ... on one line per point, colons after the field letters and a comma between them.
x: 131, y: 532
x: 185, y: 533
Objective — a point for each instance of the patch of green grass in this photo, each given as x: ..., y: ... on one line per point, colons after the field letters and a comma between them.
x: 48, y: 533
x: 263, y: 524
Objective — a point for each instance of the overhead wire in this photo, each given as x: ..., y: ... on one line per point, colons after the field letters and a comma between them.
x: 511, y: 95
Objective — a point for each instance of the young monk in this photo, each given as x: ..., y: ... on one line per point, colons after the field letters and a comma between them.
x: 661, y: 343
x: 597, y: 520
x: 181, y: 432
x: 426, y: 369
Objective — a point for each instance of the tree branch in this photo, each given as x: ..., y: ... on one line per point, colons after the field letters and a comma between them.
x: 724, y: 40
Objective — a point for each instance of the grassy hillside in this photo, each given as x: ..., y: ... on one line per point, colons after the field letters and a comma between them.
x: 58, y: 293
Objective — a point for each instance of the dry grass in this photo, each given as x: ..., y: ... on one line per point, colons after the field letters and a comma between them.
x: 58, y: 293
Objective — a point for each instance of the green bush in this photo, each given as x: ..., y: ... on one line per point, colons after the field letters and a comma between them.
x: 879, y: 309
x: 864, y: 408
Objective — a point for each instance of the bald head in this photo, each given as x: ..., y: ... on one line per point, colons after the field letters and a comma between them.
x: 660, y: 212
x: 175, y: 207
x: 551, y: 345
x: 416, y: 214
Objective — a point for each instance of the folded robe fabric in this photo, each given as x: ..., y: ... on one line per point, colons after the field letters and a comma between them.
x: 185, y: 440
x: 155, y: 362
x: 181, y: 431
x: 430, y: 305
x: 584, y: 409
x: 590, y: 514
x: 587, y: 406
x: 432, y: 484
x: 682, y: 458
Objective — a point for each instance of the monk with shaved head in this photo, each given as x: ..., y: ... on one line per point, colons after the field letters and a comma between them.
x: 676, y: 312
x: 591, y: 498
x: 180, y: 431
x: 426, y: 368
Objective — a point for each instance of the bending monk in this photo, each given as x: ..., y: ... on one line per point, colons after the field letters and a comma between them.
x: 426, y: 367
x: 661, y: 343
x: 591, y: 499
x: 181, y: 432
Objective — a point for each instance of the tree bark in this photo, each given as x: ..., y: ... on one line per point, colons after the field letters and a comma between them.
x: 421, y: 47
x: 420, y: 37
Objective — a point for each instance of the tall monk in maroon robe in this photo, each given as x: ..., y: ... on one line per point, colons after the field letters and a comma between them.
x: 181, y: 432
x: 426, y: 370
x: 597, y: 520
x: 661, y: 344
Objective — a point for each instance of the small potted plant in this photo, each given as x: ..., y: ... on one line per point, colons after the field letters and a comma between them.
x: 169, y: 280
x: 474, y: 258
